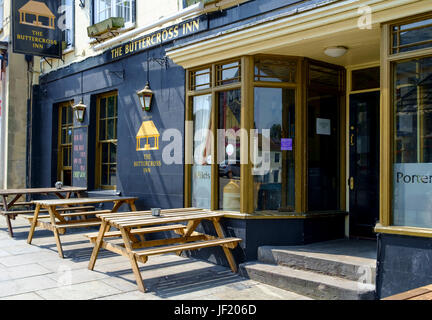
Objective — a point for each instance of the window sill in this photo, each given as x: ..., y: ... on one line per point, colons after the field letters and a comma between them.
x: 404, y: 231
x: 126, y: 28
x: 68, y: 50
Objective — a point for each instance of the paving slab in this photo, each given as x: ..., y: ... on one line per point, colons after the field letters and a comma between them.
x: 26, y: 285
x: 80, y: 291
x: 24, y: 296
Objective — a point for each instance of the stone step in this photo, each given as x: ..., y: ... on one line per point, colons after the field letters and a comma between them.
x: 308, y: 283
x: 356, y: 268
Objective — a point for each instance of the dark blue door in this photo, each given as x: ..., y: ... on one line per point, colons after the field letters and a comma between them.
x: 364, y: 135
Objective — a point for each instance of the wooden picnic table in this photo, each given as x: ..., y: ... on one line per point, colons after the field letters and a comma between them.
x: 7, y: 206
x: 57, y: 221
x: 422, y: 293
x: 132, y: 228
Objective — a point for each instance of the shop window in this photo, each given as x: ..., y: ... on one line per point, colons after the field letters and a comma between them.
x: 201, y: 169
x: 68, y: 35
x: 229, y: 104
x: 410, y: 36
x: 104, y: 9
x: 200, y: 80
x: 275, y: 70
x: 64, y: 168
x: 274, y: 181
x: 412, y: 167
x: 228, y: 73
x: 106, y: 146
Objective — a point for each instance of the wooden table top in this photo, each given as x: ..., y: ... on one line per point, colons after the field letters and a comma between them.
x: 75, y: 201
x: 162, y: 219
x: 5, y: 192
x: 422, y: 293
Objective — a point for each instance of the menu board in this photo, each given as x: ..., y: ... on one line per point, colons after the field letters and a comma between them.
x: 79, y: 157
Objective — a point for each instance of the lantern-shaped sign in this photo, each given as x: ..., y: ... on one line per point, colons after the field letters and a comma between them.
x: 145, y: 96
x: 79, y: 111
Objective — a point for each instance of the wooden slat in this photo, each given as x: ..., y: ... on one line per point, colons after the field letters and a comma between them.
x: 126, y: 214
x: 187, y: 246
x: 110, y: 234
x: 75, y: 208
x: 8, y: 192
x: 78, y: 224
x: 426, y: 296
x: 408, y: 294
x: 174, y: 219
x: 84, y: 213
x: 80, y: 201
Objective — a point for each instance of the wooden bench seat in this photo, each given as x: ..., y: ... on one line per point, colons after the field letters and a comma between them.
x: 66, y: 215
x: 111, y: 234
x: 18, y: 204
x: 226, y: 242
x: 20, y: 212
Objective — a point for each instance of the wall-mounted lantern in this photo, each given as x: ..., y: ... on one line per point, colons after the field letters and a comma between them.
x: 145, y: 96
x: 79, y: 111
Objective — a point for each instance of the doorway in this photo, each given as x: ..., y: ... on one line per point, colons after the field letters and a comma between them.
x: 364, y: 133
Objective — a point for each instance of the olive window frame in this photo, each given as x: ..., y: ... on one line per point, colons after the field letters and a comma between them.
x: 246, y: 84
x: 389, y: 59
x: 101, y: 141
x: 65, y: 141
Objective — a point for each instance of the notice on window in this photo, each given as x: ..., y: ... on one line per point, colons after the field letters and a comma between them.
x: 323, y: 126
x: 79, y: 157
x: 286, y: 144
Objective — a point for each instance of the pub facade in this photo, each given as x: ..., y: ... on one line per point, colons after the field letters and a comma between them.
x: 303, y: 121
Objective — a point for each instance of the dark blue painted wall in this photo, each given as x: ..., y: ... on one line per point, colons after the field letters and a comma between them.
x: 404, y: 263
x: 163, y: 187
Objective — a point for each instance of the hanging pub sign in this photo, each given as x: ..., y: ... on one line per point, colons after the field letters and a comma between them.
x: 36, y: 28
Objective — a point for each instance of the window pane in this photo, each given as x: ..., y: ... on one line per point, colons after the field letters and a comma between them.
x: 275, y: 70
x: 102, y: 130
x: 102, y: 108
x: 105, y: 153
x: 112, y: 175
x: 200, y: 79
x: 201, y: 169
x: 274, y: 183
x: 123, y: 9
x: 228, y: 73
x: 365, y: 79
x: 104, y: 176
x: 111, y: 129
x: 323, y: 76
x: 229, y: 150
x: 413, y: 36
x: 111, y: 107
x: 412, y: 177
x: 113, y: 153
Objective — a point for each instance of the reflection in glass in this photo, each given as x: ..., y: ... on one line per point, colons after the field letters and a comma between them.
x: 229, y: 150
x: 274, y: 184
x: 412, y: 181
x: 275, y: 70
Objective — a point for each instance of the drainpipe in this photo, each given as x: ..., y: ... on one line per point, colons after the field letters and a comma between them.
x: 180, y: 14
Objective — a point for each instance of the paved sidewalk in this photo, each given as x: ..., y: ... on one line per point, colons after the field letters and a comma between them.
x: 36, y: 272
